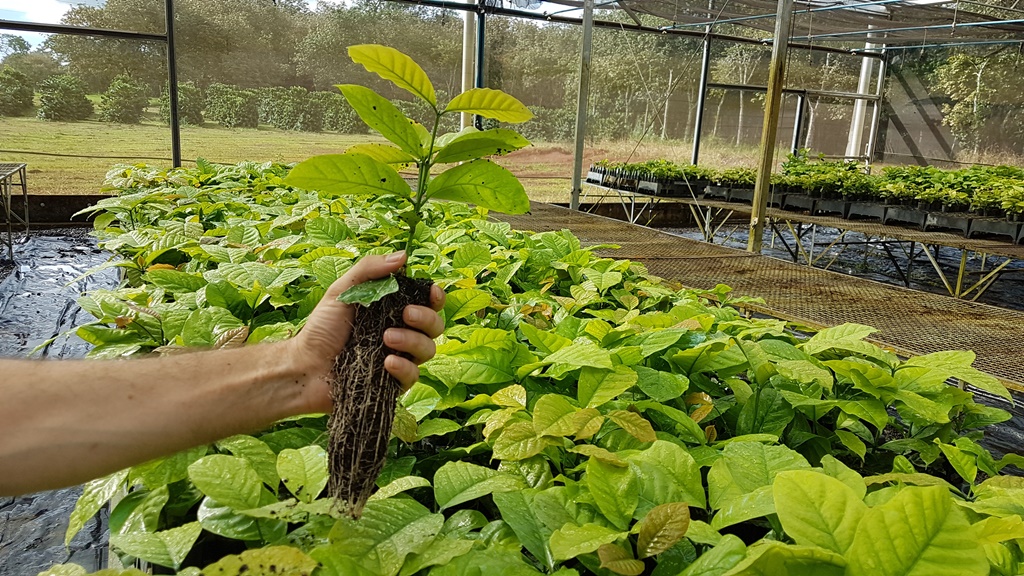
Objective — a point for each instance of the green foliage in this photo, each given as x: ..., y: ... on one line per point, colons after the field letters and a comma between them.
x: 15, y: 93
x: 190, y: 105
x: 579, y: 413
x: 124, y: 101
x: 62, y: 98
x: 231, y: 106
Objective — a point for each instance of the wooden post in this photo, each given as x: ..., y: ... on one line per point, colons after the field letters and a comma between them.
x: 773, y: 101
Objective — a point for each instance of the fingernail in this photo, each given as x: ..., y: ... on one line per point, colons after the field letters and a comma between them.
x: 415, y: 315
x: 395, y: 256
x: 393, y: 337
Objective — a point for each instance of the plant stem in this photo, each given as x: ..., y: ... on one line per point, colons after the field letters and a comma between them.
x: 421, y: 192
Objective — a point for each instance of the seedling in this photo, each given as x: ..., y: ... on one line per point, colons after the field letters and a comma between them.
x: 364, y: 394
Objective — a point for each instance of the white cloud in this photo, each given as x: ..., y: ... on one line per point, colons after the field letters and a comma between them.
x: 42, y: 11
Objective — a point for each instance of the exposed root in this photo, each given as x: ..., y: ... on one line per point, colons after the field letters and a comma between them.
x: 364, y: 396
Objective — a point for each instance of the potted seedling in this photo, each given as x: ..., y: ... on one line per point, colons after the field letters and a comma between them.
x: 364, y: 394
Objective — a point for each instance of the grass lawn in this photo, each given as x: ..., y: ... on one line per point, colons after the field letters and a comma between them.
x: 72, y: 157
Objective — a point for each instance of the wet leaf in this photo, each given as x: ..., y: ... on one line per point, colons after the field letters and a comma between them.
x: 370, y: 291
x: 662, y: 527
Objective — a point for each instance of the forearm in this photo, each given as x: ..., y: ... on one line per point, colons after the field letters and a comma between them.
x: 82, y: 419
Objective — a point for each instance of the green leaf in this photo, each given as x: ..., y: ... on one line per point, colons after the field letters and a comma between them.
x: 919, y: 532
x: 303, y: 471
x: 460, y: 304
x: 229, y: 480
x: 327, y: 231
x: 458, y: 482
x: 166, y: 548
x: 615, y: 489
x: 259, y: 455
x: 598, y: 386
x: 175, y: 281
x: 169, y: 470
x: 660, y: 386
x: 852, y: 442
x: 330, y: 268
x: 348, y: 174
x: 436, y: 427
x: 384, y: 117
x: 747, y: 466
x: 388, y: 532
x: 483, y: 183
x: 965, y: 464
x: 441, y: 552
x: 667, y: 474
x: 276, y: 560
x: 490, y: 103
x: 618, y: 560
x: 390, y: 64
x: 553, y: 415
x: 766, y: 412
x: 516, y: 509
x: 662, y: 527
x: 473, y: 145
x: 768, y: 558
x: 817, y: 510
x: 95, y: 495
x: 957, y: 364
x: 545, y: 342
x: 518, y: 441
x: 472, y: 255
x: 384, y: 153
x: 571, y: 540
x: 717, y: 561
x: 399, y: 485
x: 370, y: 291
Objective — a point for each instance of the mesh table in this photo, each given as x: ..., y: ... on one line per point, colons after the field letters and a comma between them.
x: 11, y: 176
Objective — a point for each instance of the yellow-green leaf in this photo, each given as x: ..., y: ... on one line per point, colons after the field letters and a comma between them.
x: 490, y: 103
x: 286, y: 561
x: 348, y: 174
x: 636, y: 425
x: 619, y: 560
x: 385, y: 153
x: 571, y: 540
x: 662, y: 527
x: 483, y: 183
x: 384, y: 117
x: 473, y: 145
x: 390, y: 64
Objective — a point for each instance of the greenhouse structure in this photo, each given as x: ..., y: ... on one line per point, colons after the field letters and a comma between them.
x: 568, y: 287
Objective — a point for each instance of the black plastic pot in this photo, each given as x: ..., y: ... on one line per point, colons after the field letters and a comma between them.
x: 690, y: 188
x: 745, y: 195
x: 866, y: 210
x: 650, y: 188
x: 714, y: 191
x: 828, y: 206
x: 799, y: 202
x: 595, y: 177
x: 905, y: 215
x: 958, y: 221
x: 995, y: 227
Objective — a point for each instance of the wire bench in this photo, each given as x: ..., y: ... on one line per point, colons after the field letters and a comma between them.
x: 11, y: 176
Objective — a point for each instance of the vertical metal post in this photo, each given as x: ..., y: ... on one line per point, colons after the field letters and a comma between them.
x: 855, y: 140
x: 798, y: 122
x: 481, y: 60
x: 876, y: 111
x: 773, y: 101
x: 468, y: 52
x: 582, y: 103
x: 172, y: 85
x: 702, y: 94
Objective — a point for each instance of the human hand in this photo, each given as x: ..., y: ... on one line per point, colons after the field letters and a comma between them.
x: 329, y: 326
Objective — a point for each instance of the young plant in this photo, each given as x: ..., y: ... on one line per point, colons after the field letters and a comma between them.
x: 364, y: 393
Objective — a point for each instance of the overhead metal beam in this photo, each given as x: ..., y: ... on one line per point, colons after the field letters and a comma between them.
x: 805, y: 92
x: 582, y: 104
x: 772, y: 15
x: 772, y: 104
x: 954, y: 44
x: 882, y: 31
x: 79, y: 31
x: 624, y: 26
x: 702, y: 94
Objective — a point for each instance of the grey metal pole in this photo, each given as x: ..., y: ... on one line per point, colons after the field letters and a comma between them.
x: 481, y: 55
x: 468, y: 53
x: 172, y: 85
x: 581, y: 104
x: 798, y: 122
x: 702, y: 94
x: 773, y: 101
x: 876, y: 111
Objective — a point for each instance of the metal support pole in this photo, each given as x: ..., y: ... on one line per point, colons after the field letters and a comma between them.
x: 581, y: 104
x: 480, y: 59
x: 702, y: 94
x: 798, y: 122
x: 172, y: 86
x: 773, y: 101
x: 876, y: 111
x: 855, y: 140
x: 468, y: 52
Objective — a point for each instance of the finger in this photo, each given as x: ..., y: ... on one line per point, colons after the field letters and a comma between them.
x: 368, y: 268
x: 436, y: 297
x: 403, y: 370
x: 413, y: 343
x: 423, y: 319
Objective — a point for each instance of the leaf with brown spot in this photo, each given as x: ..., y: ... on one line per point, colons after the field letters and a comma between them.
x: 123, y: 321
x: 234, y: 338
x: 663, y: 526
x: 636, y: 425
x: 405, y: 427
x: 711, y: 433
x: 619, y: 561
x: 160, y: 267
x: 277, y: 560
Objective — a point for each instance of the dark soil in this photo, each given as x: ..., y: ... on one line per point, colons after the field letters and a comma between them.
x: 364, y: 396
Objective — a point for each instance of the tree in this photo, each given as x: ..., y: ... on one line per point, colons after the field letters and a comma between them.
x: 62, y: 98
x: 737, y: 65
x: 11, y: 44
x: 124, y: 101
x: 826, y: 71
x: 15, y: 93
x: 985, y: 108
x: 37, y: 65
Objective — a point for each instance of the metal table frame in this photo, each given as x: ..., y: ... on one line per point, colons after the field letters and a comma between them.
x: 11, y: 176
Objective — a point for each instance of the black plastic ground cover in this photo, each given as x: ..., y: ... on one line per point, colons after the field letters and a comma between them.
x: 37, y: 302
